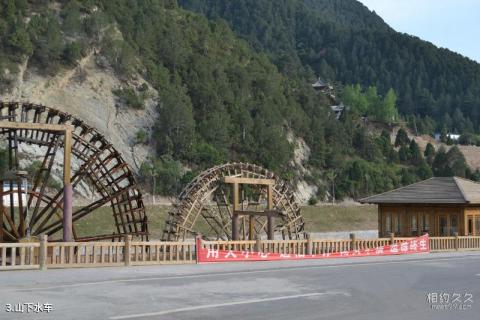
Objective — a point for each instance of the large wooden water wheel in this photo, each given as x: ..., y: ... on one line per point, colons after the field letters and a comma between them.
x: 32, y: 205
x: 205, y: 206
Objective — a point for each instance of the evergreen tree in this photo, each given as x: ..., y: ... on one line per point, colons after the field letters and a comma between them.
x: 401, y: 138
x: 424, y: 171
x: 414, y: 153
x: 457, y: 165
x: 404, y: 154
x: 175, y: 133
x: 440, y: 164
x: 444, y: 135
x: 429, y: 153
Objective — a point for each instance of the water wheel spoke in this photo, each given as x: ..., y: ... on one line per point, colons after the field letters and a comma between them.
x: 76, y: 179
x: 213, y: 222
x: 42, y: 176
x: 80, y: 213
x: 11, y: 223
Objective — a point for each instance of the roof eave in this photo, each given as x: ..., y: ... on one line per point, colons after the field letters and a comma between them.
x: 416, y: 202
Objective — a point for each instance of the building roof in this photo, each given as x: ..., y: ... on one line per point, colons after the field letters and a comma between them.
x: 441, y: 190
x: 319, y: 84
x: 338, y: 108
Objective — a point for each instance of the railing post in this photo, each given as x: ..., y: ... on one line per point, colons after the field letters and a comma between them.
x: 42, y: 257
x: 392, y: 238
x: 457, y: 241
x: 258, y: 244
x: 198, y: 246
x: 353, y: 240
x: 127, y: 251
x: 309, y: 244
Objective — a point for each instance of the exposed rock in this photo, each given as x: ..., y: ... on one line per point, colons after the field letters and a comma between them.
x: 86, y: 92
x: 303, y: 190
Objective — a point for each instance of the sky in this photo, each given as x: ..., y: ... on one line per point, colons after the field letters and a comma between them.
x: 452, y: 24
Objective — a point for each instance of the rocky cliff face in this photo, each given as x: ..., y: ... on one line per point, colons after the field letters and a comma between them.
x: 86, y: 92
x: 303, y: 190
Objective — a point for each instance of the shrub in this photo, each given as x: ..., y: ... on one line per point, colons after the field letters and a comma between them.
x: 141, y: 137
x: 130, y: 98
x: 312, y: 201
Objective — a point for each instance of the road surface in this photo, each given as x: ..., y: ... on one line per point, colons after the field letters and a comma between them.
x: 395, y: 287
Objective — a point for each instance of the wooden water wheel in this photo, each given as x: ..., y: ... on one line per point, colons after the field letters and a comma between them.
x: 35, y: 207
x: 205, y: 206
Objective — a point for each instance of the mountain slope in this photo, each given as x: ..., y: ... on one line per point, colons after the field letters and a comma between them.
x: 348, y: 13
x: 428, y: 81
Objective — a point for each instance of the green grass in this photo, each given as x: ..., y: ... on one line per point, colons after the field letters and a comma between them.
x: 340, y: 217
x: 101, y: 222
x: 317, y: 218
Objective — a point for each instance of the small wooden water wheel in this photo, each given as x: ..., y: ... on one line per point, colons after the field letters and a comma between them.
x: 206, y: 205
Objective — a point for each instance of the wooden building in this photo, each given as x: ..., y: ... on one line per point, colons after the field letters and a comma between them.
x: 321, y: 85
x: 439, y: 206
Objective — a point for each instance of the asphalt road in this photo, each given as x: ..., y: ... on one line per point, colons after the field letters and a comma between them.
x: 396, y: 287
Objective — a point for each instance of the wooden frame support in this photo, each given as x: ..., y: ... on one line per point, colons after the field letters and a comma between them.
x: 35, y: 126
x: 67, y: 212
x: 251, y: 229
x: 236, y: 207
x: 235, y: 224
x: 270, y: 219
x: 67, y: 188
x: 270, y: 228
x: 66, y: 130
x: 269, y: 213
x: 266, y: 213
x: 256, y: 181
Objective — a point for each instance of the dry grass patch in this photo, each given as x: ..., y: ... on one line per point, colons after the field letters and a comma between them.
x: 317, y: 218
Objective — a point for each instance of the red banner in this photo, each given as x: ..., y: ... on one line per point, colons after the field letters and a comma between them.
x: 413, y: 245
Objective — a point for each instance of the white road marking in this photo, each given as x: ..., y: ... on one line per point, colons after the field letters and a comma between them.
x: 216, y: 274
x: 226, y: 304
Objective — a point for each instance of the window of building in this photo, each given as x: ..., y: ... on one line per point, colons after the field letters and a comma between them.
x: 398, y: 230
x: 388, y: 223
x: 453, y: 224
x: 470, y: 225
x: 414, y: 226
x: 443, y: 226
x: 426, y: 222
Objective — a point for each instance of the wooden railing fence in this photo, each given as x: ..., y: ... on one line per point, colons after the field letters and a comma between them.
x: 44, y: 254
x: 16, y: 256
x: 455, y: 243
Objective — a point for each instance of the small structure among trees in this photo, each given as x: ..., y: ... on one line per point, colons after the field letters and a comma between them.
x: 320, y: 85
x: 337, y: 110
